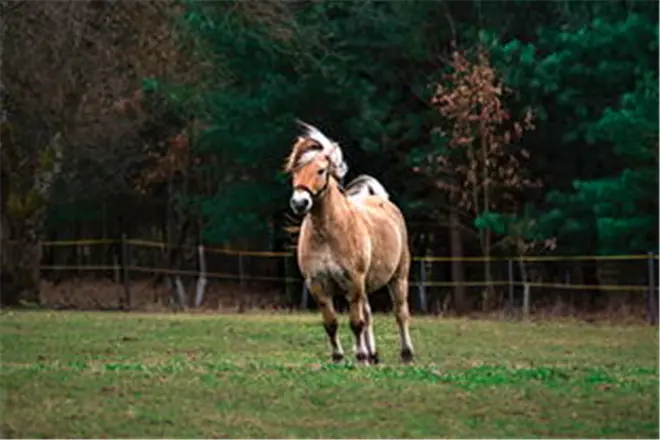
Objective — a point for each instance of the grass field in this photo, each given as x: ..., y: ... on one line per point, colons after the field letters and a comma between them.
x: 97, y: 375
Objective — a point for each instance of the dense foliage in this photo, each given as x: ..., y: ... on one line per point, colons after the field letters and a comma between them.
x: 189, y: 135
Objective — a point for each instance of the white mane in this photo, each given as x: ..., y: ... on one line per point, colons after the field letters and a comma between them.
x: 330, y: 148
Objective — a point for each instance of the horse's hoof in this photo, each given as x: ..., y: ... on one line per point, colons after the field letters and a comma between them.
x: 374, y: 359
x: 407, y: 355
x: 362, y: 358
x: 337, y: 357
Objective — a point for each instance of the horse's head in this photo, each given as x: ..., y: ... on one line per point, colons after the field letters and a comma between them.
x: 314, y: 160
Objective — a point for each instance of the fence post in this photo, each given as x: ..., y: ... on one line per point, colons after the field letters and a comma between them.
x: 651, y: 300
x: 115, y: 266
x: 526, y: 289
x: 78, y: 258
x: 125, y: 263
x: 511, y: 286
x: 421, y: 288
x: 241, y: 280
x: 201, y: 280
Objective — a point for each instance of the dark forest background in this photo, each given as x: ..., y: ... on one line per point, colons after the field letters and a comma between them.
x: 501, y: 128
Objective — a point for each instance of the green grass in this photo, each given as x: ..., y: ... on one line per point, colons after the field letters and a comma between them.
x: 146, y: 375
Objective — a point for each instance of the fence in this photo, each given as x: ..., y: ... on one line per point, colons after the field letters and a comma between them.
x: 127, y: 261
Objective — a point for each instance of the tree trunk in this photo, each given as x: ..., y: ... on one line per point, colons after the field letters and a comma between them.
x: 457, y: 275
x: 23, y: 215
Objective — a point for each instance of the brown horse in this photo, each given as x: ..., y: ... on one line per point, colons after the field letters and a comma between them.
x: 352, y: 241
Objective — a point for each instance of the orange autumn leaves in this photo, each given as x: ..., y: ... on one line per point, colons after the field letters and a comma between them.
x: 480, y: 169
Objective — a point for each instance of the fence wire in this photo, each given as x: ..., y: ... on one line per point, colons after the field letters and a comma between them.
x: 288, y: 279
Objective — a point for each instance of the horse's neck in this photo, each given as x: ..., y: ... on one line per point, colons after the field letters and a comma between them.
x: 330, y: 216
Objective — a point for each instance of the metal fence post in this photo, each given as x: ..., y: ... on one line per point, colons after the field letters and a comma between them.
x: 125, y: 264
x: 421, y: 288
x: 511, y: 286
x: 201, y: 280
x: 652, y: 303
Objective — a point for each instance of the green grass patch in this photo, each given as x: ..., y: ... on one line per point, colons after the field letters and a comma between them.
x: 147, y: 375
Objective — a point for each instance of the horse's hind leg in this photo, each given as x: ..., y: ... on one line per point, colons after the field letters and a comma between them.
x: 330, y: 323
x: 399, y: 293
x: 370, y: 339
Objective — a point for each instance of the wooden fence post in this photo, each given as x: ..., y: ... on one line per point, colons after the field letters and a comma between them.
x: 201, y: 280
x: 78, y: 258
x: 652, y: 303
x: 511, y: 286
x: 125, y: 263
x: 116, y: 268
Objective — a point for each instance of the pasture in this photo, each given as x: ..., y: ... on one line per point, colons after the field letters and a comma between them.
x: 78, y: 374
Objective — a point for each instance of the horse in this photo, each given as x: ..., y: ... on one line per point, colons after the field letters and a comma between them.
x: 352, y: 241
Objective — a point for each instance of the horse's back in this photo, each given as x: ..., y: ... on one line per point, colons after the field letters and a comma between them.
x: 387, y: 231
x: 367, y: 192
x: 365, y: 185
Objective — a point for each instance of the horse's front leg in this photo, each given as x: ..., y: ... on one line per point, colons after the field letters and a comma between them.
x: 357, y: 300
x: 324, y: 300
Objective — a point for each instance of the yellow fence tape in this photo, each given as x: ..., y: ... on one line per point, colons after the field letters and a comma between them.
x: 429, y: 283
x: 79, y: 242
x: 429, y: 259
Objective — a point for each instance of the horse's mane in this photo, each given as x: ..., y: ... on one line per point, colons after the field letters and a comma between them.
x: 311, y: 144
x: 365, y: 185
x: 303, y: 151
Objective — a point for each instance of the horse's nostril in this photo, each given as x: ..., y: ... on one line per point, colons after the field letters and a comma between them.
x: 300, y: 204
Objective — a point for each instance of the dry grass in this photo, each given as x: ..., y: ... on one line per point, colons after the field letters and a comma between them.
x: 103, y: 294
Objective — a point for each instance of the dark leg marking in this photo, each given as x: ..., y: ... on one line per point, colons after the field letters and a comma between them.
x: 357, y: 328
x: 374, y: 359
x: 406, y: 355
x: 331, y: 330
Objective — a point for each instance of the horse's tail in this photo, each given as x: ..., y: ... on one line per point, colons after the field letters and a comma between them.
x: 364, y: 185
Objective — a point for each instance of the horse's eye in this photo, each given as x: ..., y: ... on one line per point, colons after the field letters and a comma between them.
x: 322, y: 171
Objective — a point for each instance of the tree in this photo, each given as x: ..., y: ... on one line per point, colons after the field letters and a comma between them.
x: 624, y: 206
x: 65, y: 66
x: 479, y: 168
x: 592, y: 81
x: 593, y: 85
x: 288, y: 60
x: 522, y: 234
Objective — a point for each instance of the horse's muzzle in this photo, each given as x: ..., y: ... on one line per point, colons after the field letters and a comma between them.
x: 301, y: 202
